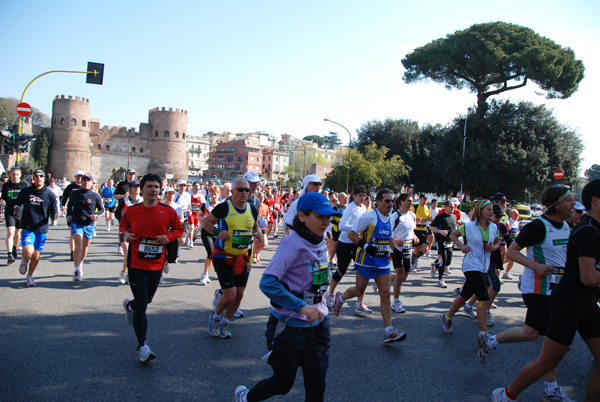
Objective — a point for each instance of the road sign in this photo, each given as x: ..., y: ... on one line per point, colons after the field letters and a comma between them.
x: 559, y: 174
x: 23, y: 109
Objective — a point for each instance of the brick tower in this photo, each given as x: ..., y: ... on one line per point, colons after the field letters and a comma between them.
x: 168, y: 149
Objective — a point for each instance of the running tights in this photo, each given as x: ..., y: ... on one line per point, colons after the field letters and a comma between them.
x: 143, y: 285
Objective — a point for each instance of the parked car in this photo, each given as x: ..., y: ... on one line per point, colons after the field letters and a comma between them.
x: 524, y: 211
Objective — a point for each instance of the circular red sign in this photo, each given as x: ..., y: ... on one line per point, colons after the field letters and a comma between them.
x: 23, y: 109
x: 559, y: 174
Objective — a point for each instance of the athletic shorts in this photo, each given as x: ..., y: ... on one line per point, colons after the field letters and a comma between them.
x: 85, y: 231
x: 208, y: 241
x: 226, y: 277
x: 401, y: 261
x: 10, y: 220
x: 37, y: 240
x: 371, y: 272
x: 422, y: 236
x: 110, y: 209
x: 538, y: 311
x: 570, y: 313
x: 193, y: 219
x: 477, y: 284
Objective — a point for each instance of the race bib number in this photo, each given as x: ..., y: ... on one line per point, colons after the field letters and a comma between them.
x: 556, y: 276
x: 241, y: 239
x: 108, y: 200
x: 320, y: 282
x: 448, y: 244
x: 195, y: 207
x: 383, y: 247
x: 150, y: 249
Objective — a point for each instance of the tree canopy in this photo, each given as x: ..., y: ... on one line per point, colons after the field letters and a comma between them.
x: 593, y: 173
x: 495, y: 57
x: 331, y: 141
x: 9, y: 116
x: 317, y: 139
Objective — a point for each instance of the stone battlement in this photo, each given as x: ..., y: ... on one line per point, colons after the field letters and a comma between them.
x: 163, y: 109
x: 114, y: 130
x: 70, y: 97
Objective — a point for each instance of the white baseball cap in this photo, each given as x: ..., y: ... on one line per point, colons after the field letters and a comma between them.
x: 169, y: 190
x: 311, y: 178
x: 252, y: 176
x: 181, y: 182
x: 79, y: 173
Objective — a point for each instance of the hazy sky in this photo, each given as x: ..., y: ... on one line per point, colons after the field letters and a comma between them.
x: 274, y: 66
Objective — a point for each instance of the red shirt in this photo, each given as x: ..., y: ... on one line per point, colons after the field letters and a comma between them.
x: 148, y: 223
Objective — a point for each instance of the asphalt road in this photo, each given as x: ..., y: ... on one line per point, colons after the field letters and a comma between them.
x: 69, y: 341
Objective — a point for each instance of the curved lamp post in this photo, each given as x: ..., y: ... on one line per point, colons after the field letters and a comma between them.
x: 349, y: 148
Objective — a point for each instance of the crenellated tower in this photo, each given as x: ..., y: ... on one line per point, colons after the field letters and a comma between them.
x: 168, y: 149
x: 70, y: 149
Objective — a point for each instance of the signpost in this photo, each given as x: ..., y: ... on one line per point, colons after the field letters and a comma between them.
x: 23, y: 109
x: 559, y: 174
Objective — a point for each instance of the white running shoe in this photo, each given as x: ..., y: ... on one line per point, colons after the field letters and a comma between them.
x: 162, y: 279
x: 77, y: 274
x: 204, y: 280
x: 29, y: 281
x: 218, y: 293
x: 120, y: 250
x: 393, y: 335
x: 329, y: 299
x: 240, y: 394
x: 128, y: 311
x: 166, y: 268
x: 108, y: 228
x: 428, y: 254
x: 238, y: 314
x: 397, y: 307
x: 506, y: 275
x: 490, y: 322
x: 433, y: 268
x: 192, y: 244
x: 123, y: 278
x: 146, y: 354
x: 442, y: 284
x: 214, y: 325
x: 224, y: 331
x: 24, y: 267
x: 362, y: 309
x: 468, y: 310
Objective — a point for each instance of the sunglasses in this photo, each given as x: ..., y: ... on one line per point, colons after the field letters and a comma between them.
x: 387, y: 201
x: 38, y: 175
x: 316, y: 184
x: 579, y: 211
x: 243, y: 189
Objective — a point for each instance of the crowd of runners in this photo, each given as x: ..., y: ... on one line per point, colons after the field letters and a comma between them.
x: 386, y: 235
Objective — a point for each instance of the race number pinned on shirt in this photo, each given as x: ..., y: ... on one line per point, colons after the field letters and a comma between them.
x: 150, y: 249
x: 556, y: 276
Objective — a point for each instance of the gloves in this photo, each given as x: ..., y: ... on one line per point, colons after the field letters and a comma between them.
x: 371, y: 249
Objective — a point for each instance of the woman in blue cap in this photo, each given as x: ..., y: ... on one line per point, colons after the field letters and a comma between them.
x: 295, y: 281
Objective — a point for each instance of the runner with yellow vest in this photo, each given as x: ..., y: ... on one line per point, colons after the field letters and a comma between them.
x: 237, y: 225
x: 423, y: 214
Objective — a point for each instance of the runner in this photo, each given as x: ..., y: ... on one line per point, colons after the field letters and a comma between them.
x: 122, y: 191
x: 310, y: 183
x: 83, y: 209
x: 184, y: 199
x: 433, y: 210
x: 110, y: 203
x: 148, y: 227
x: 196, y: 200
x: 546, y: 241
x: 208, y: 238
x: 346, y: 249
x: 133, y: 198
x: 237, y: 225
x: 263, y: 213
x: 403, y: 229
x: 513, y: 231
x: 335, y: 229
x: 442, y: 226
x: 481, y: 238
x: 423, y: 214
x: 10, y: 191
x: 298, y: 323
x: 58, y: 193
x: 36, y: 204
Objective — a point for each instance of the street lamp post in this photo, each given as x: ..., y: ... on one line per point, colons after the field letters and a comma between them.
x: 349, y: 148
x: 462, y: 178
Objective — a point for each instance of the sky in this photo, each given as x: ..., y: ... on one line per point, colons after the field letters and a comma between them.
x: 275, y: 66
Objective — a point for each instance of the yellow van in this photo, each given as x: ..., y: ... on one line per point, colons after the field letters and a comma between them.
x: 524, y: 211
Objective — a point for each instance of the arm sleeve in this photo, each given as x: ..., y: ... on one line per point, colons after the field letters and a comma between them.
x: 100, y: 206
x: 274, y: 290
x: 362, y: 223
x: 586, y: 241
x: 345, y: 221
x: 530, y: 234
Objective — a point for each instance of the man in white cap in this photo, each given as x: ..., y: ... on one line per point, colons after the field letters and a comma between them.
x: 310, y: 183
x: 253, y: 180
x: 66, y: 194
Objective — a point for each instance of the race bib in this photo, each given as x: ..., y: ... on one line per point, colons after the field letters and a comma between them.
x: 448, y: 244
x: 241, y: 239
x: 320, y: 282
x: 556, y: 276
x: 149, y: 249
x: 108, y: 200
x: 383, y: 247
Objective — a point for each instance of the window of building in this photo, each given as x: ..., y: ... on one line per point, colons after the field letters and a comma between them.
x: 276, y: 158
x: 269, y: 158
x: 166, y: 134
x: 132, y: 149
x: 258, y: 158
x: 107, y: 147
x: 239, y: 158
x: 83, y: 123
x: 246, y: 157
x: 230, y: 159
x: 231, y: 149
x: 221, y: 158
x: 100, y: 147
x: 141, y: 150
x: 156, y: 133
x: 252, y: 158
x: 62, y: 121
x: 73, y: 122
x: 183, y: 136
x: 176, y: 134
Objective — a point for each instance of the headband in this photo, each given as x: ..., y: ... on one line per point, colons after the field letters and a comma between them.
x: 563, y: 197
x: 486, y: 203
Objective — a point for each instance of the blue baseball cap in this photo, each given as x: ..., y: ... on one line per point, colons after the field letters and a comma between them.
x: 318, y: 203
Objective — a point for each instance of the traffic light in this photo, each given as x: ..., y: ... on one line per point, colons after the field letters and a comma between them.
x: 95, y: 73
x: 8, y: 138
x: 24, y: 142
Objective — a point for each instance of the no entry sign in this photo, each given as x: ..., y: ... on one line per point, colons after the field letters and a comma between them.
x: 23, y: 109
x: 559, y: 174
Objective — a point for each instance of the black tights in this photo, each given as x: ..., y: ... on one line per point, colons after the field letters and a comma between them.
x: 143, y: 285
x: 446, y: 255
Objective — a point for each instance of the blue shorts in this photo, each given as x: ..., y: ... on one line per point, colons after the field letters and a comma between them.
x: 371, y: 272
x: 85, y: 231
x: 37, y: 240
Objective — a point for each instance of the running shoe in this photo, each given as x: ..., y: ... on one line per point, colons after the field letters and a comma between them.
x: 240, y: 393
x: 446, y: 324
x: 191, y: 244
x: 506, y: 275
x: 71, y: 258
x: 556, y: 396
x: 442, y: 284
x: 166, y: 268
x: 329, y: 299
x: 77, y: 275
x: 108, y: 228
x: 497, y: 395
x: 414, y: 265
x: 29, y: 281
x: 275, y: 235
x: 447, y: 271
x: 10, y: 259
x: 15, y: 249
x: 362, y: 309
x: 457, y: 291
x: 128, y: 311
x: 483, y: 349
x: 393, y: 335
x: 468, y: 310
x: 332, y: 266
x: 23, y: 267
x: 375, y: 289
x: 123, y: 278
x: 161, y: 281
x: 54, y: 223
x: 238, y: 314
x: 224, y: 331
x: 490, y: 322
x: 214, y: 325
x: 146, y: 354
x: 218, y: 293
x: 204, y: 280
x: 338, y: 302
x: 428, y: 254
x: 397, y: 307
x: 433, y: 269
x: 119, y: 250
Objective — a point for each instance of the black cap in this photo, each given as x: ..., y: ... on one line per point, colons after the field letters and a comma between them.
x: 499, y: 197
x: 134, y: 183
x: 498, y: 210
x: 422, y: 195
x: 87, y: 176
